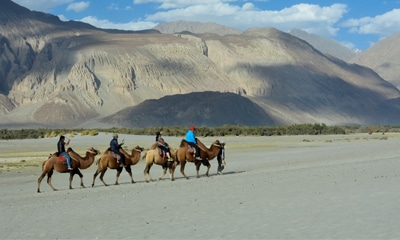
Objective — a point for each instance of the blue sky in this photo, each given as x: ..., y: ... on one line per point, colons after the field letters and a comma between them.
x: 354, y: 23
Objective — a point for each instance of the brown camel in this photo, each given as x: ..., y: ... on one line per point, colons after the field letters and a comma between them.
x: 54, y: 162
x: 108, y: 161
x: 184, y: 154
x: 152, y: 156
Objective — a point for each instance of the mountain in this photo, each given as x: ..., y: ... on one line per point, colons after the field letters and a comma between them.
x: 195, y: 27
x: 325, y: 45
x: 197, y: 108
x: 384, y: 58
x: 70, y: 74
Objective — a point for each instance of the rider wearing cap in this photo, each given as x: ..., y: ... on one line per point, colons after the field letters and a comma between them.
x: 191, y: 140
x: 114, y: 146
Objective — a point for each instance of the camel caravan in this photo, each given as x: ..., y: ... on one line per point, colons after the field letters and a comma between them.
x: 166, y: 157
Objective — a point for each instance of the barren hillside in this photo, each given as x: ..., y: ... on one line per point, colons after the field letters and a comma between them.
x: 384, y: 58
x: 57, y: 74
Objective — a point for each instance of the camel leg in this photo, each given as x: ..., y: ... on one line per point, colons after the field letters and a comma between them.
x: 198, y: 164
x: 81, y: 176
x: 128, y: 169
x: 163, y: 174
x: 101, y: 176
x: 40, y: 180
x: 147, y: 172
x: 118, y: 173
x: 171, y: 177
x: 71, y: 176
x: 208, y: 165
x: 183, y: 169
x: 94, y: 176
x: 176, y: 163
x: 49, y: 174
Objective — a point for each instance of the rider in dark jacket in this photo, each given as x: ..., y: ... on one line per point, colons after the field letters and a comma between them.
x: 114, y: 146
x: 61, y: 150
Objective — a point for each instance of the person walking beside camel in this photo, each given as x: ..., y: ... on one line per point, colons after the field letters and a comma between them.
x: 163, y: 146
x: 191, y: 140
x: 221, y: 158
x: 115, y: 146
x: 61, y: 150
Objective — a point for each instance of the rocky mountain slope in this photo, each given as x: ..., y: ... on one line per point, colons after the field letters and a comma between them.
x: 57, y: 74
x: 325, y: 45
x: 384, y: 58
x: 195, y: 27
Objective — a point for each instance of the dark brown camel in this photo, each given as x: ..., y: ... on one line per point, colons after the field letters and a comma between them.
x: 152, y: 156
x: 77, y: 162
x: 183, y: 155
x: 108, y: 161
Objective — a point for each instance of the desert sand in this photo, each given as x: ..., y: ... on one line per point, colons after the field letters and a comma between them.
x: 280, y: 187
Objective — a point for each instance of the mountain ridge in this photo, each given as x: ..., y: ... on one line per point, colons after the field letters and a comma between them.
x: 61, y: 76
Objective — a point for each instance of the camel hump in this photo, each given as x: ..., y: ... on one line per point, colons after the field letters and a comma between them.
x: 69, y: 149
x: 183, y: 143
x: 154, y: 146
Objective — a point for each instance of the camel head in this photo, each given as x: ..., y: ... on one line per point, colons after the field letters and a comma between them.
x: 93, y: 151
x: 217, y: 143
x: 138, y: 149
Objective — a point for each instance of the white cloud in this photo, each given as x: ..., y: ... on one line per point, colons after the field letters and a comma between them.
x: 309, y: 17
x: 103, y: 23
x: 41, y: 5
x: 78, y: 6
x: 383, y: 25
x: 170, y: 4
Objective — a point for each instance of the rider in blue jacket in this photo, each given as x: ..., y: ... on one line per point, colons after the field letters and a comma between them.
x: 191, y: 140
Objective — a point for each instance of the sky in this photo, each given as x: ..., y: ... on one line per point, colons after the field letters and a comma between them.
x: 356, y: 24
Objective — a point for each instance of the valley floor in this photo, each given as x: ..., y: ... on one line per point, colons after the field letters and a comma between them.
x: 286, y: 187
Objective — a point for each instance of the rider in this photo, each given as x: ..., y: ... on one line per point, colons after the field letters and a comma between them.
x: 163, y: 145
x: 61, y: 150
x: 191, y: 140
x: 114, y: 146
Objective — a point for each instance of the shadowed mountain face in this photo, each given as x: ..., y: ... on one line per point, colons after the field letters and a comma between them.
x: 384, y: 58
x: 199, y: 108
x: 57, y: 74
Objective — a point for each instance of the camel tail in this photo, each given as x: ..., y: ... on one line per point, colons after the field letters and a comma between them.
x: 144, y: 155
x: 97, y: 162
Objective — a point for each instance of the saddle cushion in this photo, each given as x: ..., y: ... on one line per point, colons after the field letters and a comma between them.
x: 116, y: 156
x: 191, y: 149
x: 162, y: 153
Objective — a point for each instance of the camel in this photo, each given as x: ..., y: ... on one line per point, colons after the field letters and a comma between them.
x: 152, y: 156
x: 108, y: 161
x: 54, y: 162
x: 183, y: 155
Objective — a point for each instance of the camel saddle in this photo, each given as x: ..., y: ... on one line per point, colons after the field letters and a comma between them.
x: 115, y: 156
x: 59, y: 155
x: 191, y: 150
x: 162, y: 153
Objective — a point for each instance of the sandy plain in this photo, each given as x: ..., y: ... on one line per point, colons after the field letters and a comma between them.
x: 281, y: 187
